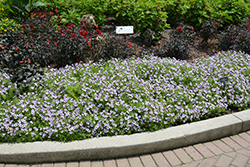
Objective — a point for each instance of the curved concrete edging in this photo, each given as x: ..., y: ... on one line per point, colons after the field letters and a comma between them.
x: 127, y: 145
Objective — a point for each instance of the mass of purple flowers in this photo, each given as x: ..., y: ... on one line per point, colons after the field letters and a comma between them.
x: 123, y: 97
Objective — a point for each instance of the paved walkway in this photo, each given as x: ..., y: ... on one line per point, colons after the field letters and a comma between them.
x: 233, y: 151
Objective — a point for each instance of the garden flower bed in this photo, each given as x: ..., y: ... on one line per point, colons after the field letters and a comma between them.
x: 110, y: 90
x: 123, y: 97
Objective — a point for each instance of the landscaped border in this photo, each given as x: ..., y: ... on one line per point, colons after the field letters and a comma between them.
x: 126, y: 145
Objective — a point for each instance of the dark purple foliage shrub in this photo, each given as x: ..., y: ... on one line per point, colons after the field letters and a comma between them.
x: 208, y: 29
x: 235, y: 38
x: 38, y: 44
x: 178, y: 45
x: 113, y: 47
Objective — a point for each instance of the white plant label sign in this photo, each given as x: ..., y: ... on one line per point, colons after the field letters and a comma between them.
x: 124, y: 29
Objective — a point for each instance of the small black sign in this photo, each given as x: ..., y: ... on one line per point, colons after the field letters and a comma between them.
x: 223, y: 79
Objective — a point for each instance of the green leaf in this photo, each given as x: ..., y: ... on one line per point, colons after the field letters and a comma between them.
x: 200, y: 20
x: 229, y: 18
x: 36, y: 4
x: 27, y: 8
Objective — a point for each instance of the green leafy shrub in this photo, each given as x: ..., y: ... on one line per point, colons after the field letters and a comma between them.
x: 197, y: 12
x: 230, y: 11
x: 142, y: 15
x: 72, y: 10
x: 5, y: 21
x: 175, y: 10
x: 22, y: 8
x: 67, y: 10
x: 96, y: 7
x: 178, y: 45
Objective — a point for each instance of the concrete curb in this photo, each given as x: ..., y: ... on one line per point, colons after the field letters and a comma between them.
x: 127, y: 145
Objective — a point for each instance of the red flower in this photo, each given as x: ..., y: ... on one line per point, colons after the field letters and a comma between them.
x: 84, y: 21
x: 192, y: 28
x: 61, y: 31
x: 200, y: 30
x: 47, y: 40
x: 248, y: 26
x: 58, y: 18
x: 179, y: 29
x: 58, y: 27
x: 89, y: 43
x: 73, y: 35
x: 55, y: 44
x: 143, y: 46
x: 46, y: 21
x: 34, y: 35
x: 44, y: 14
x: 85, y: 39
x: 234, y: 37
x: 28, y: 60
x: 63, y: 35
x: 85, y: 34
x: 31, y: 26
x: 98, y: 32
x: 81, y: 33
x: 159, y: 43
x: 78, y: 60
x: 27, y: 45
x: 40, y: 15
x: 21, y: 62
x: 67, y: 30
x: 211, y: 23
x: 56, y: 10
x: 23, y: 26
x: 129, y: 44
x: 96, y: 25
x: 90, y: 37
x: 1, y: 46
x: 51, y: 13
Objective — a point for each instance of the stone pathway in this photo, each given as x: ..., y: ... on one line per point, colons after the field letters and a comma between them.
x: 233, y: 151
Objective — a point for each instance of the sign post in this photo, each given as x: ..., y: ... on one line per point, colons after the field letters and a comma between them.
x: 223, y: 80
